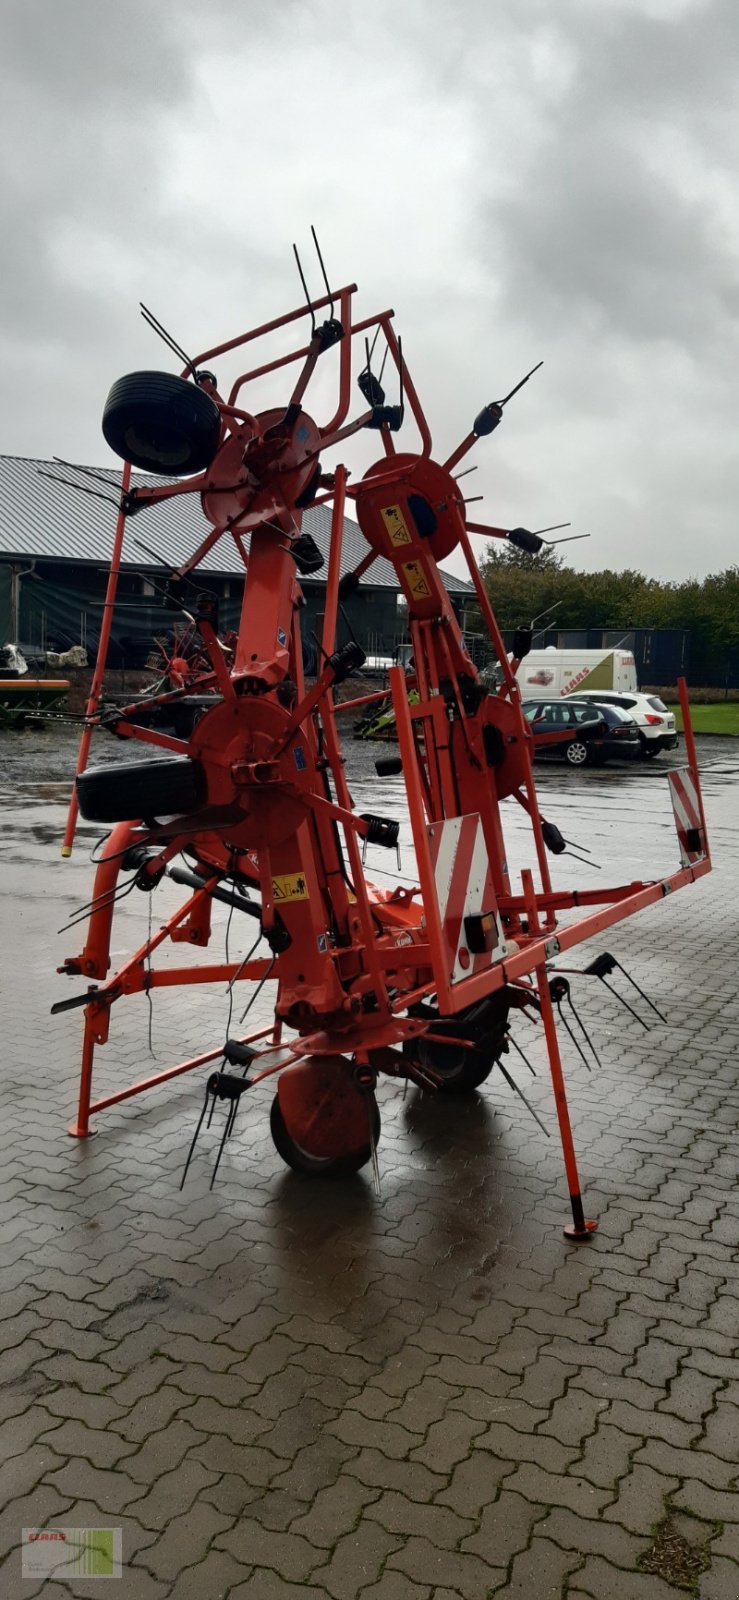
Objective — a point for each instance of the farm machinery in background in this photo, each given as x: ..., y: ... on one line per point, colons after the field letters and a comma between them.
x: 251, y: 807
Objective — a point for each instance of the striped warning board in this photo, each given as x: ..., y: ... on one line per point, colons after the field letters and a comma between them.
x: 686, y: 807
x: 464, y: 889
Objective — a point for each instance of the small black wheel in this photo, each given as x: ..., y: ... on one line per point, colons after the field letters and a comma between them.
x: 173, y: 787
x: 649, y: 749
x: 577, y: 753
x: 471, y: 1069
x: 318, y: 1166
x: 162, y: 423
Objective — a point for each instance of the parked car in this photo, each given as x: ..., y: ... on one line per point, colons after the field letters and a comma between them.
x: 591, y: 734
x: 654, y: 720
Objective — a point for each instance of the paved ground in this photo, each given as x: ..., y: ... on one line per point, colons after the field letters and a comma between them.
x: 282, y: 1390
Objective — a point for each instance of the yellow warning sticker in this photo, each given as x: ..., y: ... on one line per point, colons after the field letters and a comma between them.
x: 395, y: 523
x: 416, y: 581
x: 292, y: 886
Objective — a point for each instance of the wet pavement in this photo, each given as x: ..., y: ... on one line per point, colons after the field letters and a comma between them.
x: 282, y: 1388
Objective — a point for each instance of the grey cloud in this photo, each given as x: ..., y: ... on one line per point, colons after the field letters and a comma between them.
x: 519, y: 180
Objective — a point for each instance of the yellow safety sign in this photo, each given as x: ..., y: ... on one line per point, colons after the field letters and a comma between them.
x: 395, y: 523
x: 291, y: 886
x: 415, y: 579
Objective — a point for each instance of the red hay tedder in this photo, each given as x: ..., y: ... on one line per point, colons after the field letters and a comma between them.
x: 252, y: 807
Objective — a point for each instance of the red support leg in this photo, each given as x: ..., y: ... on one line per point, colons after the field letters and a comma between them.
x: 579, y: 1227
x: 81, y: 1128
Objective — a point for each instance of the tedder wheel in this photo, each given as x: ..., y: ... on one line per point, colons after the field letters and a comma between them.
x: 172, y: 787
x: 162, y: 423
x: 576, y: 753
x: 471, y: 1070
x: 461, y: 1069
x: 318, y: 1166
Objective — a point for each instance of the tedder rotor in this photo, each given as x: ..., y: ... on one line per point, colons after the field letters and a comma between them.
x: 251, y: 805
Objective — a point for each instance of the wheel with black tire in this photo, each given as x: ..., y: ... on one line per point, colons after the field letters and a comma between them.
x: 460, y: 1069
x: 649, y: 749
x: 577, y: 753
x: 162, y: 423
x: 470, y: 1071
x: 318, y: 1166
x: 172, y: 787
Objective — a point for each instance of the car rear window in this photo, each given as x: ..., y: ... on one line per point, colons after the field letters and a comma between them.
x: 656, y: 703
x: 614, y: 714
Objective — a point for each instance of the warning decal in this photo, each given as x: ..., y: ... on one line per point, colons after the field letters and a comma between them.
x: 687, y: 813
x: 415, y: 580
x: 394, y: 520
x: 292, y: 886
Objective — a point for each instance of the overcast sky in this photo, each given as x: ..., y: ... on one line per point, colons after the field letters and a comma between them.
x: 518, y: 179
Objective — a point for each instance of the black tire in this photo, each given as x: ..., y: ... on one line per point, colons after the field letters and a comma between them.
x: 650, y: 749
x: 316, y: 1166
x: 162, y: 423
x: 172, y: 787
x: 577, y: 753
x: 467, y: 1076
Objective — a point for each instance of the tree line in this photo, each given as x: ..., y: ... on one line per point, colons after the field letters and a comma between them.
x: 523, y: 587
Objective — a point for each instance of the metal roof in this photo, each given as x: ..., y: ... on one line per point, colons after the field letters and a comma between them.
x: 44, y: 520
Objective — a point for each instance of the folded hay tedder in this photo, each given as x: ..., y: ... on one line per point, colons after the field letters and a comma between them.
x: 251, y: 806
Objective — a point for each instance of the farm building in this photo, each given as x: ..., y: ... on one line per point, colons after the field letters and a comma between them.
x: 55, y: 548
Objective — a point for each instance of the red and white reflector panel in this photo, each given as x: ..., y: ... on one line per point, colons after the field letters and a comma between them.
x: 464, y: 890
x: 686, y: 807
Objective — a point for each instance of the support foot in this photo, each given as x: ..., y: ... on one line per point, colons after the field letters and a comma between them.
x: 76, y: 1131
x: 580, y: 1231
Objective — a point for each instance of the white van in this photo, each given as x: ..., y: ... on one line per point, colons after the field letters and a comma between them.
x: 556, y: 672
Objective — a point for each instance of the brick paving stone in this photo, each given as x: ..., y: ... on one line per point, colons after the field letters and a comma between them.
x: 334, y: 1512
x: 721, y: 1581
x: 505, y: 1529
x: 447, y: 1442
x: 395, y: 1586
x: 606, y: 1454
x: 436, y: 1522
x: 465, y: 1575
x: 43, y: 1506
x: 218, y: 1576
x: 111, y: 1491
x: 356, y: 1561
x: 601, y: 1581
x: 266, y: 1585
x: 592, y: 1537
x: 712, y: 1470
x: 658, y: 1361
x: 185, y: 1541
x: 727, y: 1543
x: 474, y: 1484
x: 611, y: 1386
x: 640, y: 1498
x: 721, y: 1436
x: 691, y: 1395
x: 540, y: 1570
x: 515, y: 1444
x: 544, y: 1382
x: 713, y: 1505
x: 173, y: 1493
x: 546, y: 1489
x: 287, y: 1554
x: 573, y: 1416
x: 313, y: 1467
